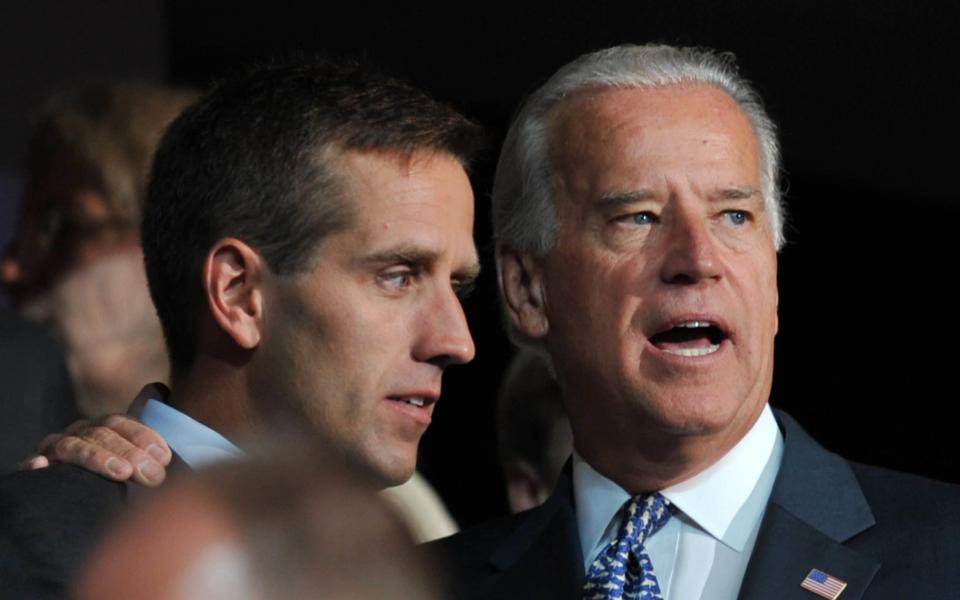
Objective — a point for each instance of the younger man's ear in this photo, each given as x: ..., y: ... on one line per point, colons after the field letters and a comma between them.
x: 233, y: 275
x: 521, y: 278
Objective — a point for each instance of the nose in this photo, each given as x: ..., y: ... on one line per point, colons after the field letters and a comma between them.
x: 445, y: 336
x: 690, y: 252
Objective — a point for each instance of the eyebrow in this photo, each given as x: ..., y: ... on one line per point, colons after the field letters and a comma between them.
x: 738, y: 193
x: 616, y: 200
x: 416, y: 255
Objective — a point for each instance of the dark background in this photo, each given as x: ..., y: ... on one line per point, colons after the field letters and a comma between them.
x: 865, y: 95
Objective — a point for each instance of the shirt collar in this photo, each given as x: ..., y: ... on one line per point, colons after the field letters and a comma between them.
x: 195, y: 443
x: 711, y: 499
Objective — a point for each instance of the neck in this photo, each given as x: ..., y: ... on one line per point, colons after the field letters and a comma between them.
x: 212, y: 392
x: 652, y: 459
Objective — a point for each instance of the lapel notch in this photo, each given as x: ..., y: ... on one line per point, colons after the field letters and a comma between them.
x: 816, y: 505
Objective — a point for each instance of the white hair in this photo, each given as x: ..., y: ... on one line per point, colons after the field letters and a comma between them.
x: 524, y: 214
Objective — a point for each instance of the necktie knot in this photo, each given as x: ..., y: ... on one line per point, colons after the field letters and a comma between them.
x: 645, y: 515
x: 623, y: 569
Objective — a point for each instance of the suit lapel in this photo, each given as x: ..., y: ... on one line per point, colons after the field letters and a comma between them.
x: 541, y: 559
x: 816, y: 505
x: 786, y: 550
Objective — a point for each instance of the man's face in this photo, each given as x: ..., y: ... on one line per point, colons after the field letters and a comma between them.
x: 356, y: 347
x: 661, y: 297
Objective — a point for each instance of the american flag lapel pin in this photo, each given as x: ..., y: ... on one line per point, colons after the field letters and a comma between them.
x: 823, y: 585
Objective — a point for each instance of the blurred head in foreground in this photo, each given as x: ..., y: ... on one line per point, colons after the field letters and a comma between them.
x: 75, y: 262
x: 288, y: 524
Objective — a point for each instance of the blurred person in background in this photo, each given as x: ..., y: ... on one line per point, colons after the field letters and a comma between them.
x: 534, y: 437
x: 283, y: 525
x: 10, y: 197
x: 75, y: 263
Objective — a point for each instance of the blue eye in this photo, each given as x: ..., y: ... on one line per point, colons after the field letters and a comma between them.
x: 643, y: 218
x: 397, y: 279
x: 737, y: 217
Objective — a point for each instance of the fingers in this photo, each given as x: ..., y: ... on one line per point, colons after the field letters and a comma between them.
x: 93, y: 456
x: 117, y: 447
x: 141, y: 436
x: 32, y: 463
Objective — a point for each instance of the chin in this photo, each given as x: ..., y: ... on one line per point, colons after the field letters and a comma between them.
x: 394, y: 470
x: 393, y: 478
x: 694, y: 416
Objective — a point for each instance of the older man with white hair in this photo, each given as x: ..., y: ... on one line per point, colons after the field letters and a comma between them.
x: 637, y: 218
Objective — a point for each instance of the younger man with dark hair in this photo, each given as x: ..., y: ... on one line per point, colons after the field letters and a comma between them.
x: 307, y: 231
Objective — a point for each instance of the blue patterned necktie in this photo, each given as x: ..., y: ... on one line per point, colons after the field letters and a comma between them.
x: 623, y: 569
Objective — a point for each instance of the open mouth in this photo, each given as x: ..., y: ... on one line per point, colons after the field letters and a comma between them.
x: 411, y: 400
x: 690, y: 339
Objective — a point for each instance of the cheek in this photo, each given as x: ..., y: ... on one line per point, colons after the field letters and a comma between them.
x: 592, y: 305
x: 571, y: 293
x: 368, y: 351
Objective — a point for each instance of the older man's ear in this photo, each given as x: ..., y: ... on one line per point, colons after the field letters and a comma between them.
x: 521, y: 279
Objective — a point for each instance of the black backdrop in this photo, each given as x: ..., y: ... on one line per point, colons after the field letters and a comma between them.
x: 866, y: 96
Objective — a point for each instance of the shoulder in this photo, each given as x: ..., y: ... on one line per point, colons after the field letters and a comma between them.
x: 49, y: 521
x: 36, y: 394
x: 61, y: 477
x: 59, y: 496
x: 474, y: 545
x: 916, y: 535
x: 483, y: 549
x: 914, y: 502
x: 469, y: 559
x: 62, y: 498
x: 509, y: 556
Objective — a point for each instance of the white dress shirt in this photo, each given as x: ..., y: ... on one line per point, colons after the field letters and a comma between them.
x: 702, y: 552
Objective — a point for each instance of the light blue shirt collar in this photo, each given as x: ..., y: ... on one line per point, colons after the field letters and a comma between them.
x: 195, y: 443
x: 712, y: 499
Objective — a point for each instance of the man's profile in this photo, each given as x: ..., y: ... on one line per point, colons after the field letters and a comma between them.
x: 306, y: 236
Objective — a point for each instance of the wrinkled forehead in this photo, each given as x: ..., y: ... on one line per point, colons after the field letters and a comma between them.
x: 616, y: 131
x: 596, y: 113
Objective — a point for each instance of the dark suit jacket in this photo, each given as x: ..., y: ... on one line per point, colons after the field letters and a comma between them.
x: 50, y: 521
x: 888, y: 535
x: 36, y: 395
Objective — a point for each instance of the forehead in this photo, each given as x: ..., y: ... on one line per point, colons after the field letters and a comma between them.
x: 424, y: 198
x: 617, y: 131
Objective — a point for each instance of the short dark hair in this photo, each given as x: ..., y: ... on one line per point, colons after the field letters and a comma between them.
x: 256, y: 160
